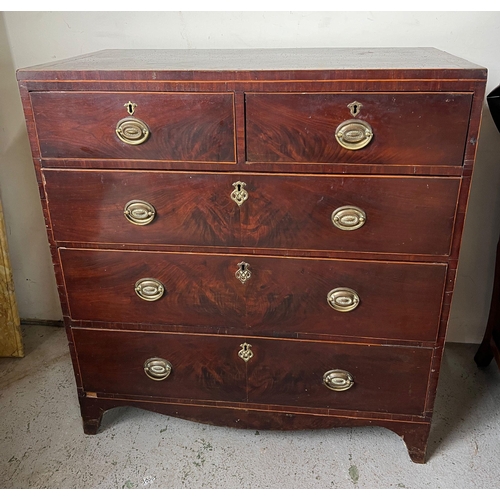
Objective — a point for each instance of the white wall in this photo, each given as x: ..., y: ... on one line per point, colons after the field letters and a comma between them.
x: 39, y: 37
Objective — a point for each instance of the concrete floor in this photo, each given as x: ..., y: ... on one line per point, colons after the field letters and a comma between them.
x: 42, y: 444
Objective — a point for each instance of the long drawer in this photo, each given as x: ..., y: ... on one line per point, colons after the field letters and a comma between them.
x: 266, y: 294
x: 345, y: 213
x: 289, y: 373
x: 174, y: 126
x: 396, y: 128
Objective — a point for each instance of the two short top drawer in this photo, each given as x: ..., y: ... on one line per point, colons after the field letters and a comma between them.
x: 365, y: 128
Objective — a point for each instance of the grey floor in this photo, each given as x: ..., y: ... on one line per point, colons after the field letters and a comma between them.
x: 42, y: 444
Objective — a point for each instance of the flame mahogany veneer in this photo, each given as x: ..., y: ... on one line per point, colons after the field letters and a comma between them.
x: 219, y: 177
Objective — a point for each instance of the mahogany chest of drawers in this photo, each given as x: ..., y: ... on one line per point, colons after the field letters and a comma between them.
x: 262, y: 239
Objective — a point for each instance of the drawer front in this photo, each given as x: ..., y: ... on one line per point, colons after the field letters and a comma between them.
x: 276, y: 372
x: 406, y: 128
x: 182, y: 126
x: 384, y: 378
x: 279, y: 211
x: 202, y: 366
x: 267, y: 294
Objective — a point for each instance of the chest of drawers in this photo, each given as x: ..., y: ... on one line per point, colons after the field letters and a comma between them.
x: 260, y: 239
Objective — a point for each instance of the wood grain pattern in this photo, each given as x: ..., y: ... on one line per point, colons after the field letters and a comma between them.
x: 386, y: 378
x: 281, y: 167
x: 281, y: 372
x: 254, y: 64
x: 291, y: 212
x: 282, y: 295
x: 203, y: 367
x: 188, y: 127
x: 429, y: 105
x: 415, y: 129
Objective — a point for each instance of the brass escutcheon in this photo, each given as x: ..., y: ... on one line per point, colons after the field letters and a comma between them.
x: 139, y: 212
x: 149, y: 289
x: 343, y: 299
x: 132, y: 131
x: 130, y: 107
x: 355, y: 108
x: 338, y: 380
x: 354, y: 134
x: 348, y: 218
x: 243, y: 273
x: 239, y: 195
x: 245, y: 353
x: 157, y: 368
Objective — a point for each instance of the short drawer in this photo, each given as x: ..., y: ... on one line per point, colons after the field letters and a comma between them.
x: 373, y: 378
x: 389, y: 128
x: 412, y: 215
x: 172, y: 126
x: 198, y: 367
x: 265, y: 294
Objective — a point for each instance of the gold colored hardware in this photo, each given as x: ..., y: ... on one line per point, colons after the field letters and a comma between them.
x: 157, y: 368
x: 354, y: 134
x: 348, y: 218
x: 243, y: 273
x: 239, y: 195
x: 355, y: 108
x: 343, y: 299
x: 245, y: 353
x: 149, y: 289
x: 130, y: 107
x: 132, y: 131
x: 338, y: 380
x: 139, y: 212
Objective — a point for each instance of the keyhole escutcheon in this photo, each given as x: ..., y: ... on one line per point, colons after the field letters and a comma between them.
x: 239, y: 194
x: 355, y: 108
x: 245, y: 353
x: 130, y: 107
x: 243, y: 273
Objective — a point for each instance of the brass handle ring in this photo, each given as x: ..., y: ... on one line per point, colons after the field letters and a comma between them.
x: 343, y: 299
x: 132, y: 131
x: 354, y: 134
x: 338, y: 380
x: 348, y: 218
x: 149, y: 289
x: 157, y: 368
x: 139, y: 212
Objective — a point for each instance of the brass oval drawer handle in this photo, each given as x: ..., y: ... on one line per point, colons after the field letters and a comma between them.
x: 348, y: 218
x: 338, y: 380
x: 354, y: 134
x: 132, y: 131
x: 157, y: 368
x: 343, y: 299
x: 149, y: 289
x: 139, y: 212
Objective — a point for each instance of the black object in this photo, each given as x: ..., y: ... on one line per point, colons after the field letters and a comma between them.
x: 490, y: 346
x: 493, y: 100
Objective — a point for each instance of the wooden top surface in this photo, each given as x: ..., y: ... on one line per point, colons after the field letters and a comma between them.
x: 325, y: 63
